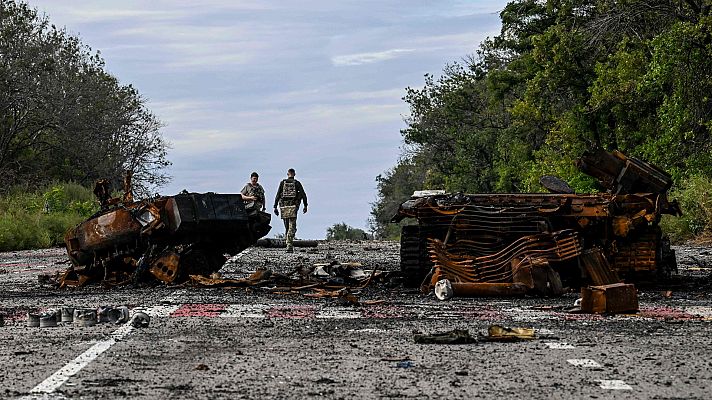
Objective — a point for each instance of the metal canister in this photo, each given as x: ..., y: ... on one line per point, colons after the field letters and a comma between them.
x: 33, y: 320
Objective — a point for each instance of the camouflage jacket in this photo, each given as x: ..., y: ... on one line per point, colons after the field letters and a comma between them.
x: 258, y: 192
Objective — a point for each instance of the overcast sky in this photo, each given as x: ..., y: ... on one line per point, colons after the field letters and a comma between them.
x: 269, y: 85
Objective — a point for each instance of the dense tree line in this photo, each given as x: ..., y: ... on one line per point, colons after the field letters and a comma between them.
x: 561, y: 76
x: 63, y: 117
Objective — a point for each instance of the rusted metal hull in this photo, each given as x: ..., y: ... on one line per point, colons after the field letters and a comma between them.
x: 488, y: 289
x: 539, y: 240
x: 109, y: 230
x: 167, y: 238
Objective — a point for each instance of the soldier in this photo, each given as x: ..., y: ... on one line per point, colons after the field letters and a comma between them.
x: 256, y: 191
x: 289, y: 195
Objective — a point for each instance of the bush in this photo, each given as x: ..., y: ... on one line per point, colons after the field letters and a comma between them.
x: 40, y: 218
x: 342, y: 231
x: 695, y: 197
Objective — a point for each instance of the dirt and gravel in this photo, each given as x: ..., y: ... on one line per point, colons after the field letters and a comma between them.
x: 208, y: 343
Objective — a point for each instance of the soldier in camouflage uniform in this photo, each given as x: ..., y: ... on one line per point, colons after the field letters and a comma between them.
x: 289, y: 195
x: 254, y: 189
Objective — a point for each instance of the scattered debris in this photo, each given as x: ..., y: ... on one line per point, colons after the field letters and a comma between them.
x: 498, y: 333
x: 115, y: 315
x: 495, y: 333
x: 85, y: 317
x: 405, y: 364
x: 67, y: 314
x: 33, y: 320
x: 614, y: 298
x: 48, y: 319
x: 79, y: 316
x: 322, y: 280
x: 455, y: 336
x: 140, y: 320
x: 443, y: 289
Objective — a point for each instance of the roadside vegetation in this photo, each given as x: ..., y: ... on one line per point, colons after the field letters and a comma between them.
x: 562, y: 77
x: 39, y: 218
x: 64, y: 118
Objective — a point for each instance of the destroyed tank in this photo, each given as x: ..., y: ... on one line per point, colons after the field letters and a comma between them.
x: 508, y: 244
x: 166, y: 237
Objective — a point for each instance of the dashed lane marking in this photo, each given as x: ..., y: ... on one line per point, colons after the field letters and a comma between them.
x: 559, y: 345
x: 613, y: 384
x: 584, y: 362
x: 370, y: 330
x: 57, y: 379
x: 700, y: 311
x: 245, y: 311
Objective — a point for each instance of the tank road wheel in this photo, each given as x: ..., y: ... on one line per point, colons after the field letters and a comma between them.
x: 415, y: 263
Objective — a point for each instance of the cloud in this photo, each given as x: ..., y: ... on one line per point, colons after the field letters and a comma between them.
x: 140, y: 11
x: 249, y: 85
x: 368, y: 58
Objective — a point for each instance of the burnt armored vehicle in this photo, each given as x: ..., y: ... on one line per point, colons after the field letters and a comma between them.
x: 508, y: 244
x: 167, y: 238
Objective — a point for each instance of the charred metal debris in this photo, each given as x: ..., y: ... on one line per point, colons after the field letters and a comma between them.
x: 165, y: 238
x: 512, y: 244
x: 332, y: 279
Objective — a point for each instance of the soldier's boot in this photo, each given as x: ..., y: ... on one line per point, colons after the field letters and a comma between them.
x: 290, y: 235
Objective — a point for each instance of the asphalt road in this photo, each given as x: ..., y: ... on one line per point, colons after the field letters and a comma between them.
x: 232, y: 343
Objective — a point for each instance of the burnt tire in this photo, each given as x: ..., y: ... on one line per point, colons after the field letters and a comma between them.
x: 415, y: 263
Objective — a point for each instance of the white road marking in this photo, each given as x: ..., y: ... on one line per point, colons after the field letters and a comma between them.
x: 528, y: 315
x: 44, y: 396
x: 57, y: 379
x: 544, y: 332
x: 338, y: 314
x: 704, y: 312
x: 245, y: 311
x: 583, y: 362
x: 158, y: 311
x: 559, y: 345
x: 46, y: 388
x: 614, y: 384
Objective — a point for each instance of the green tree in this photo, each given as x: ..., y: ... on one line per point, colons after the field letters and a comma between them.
x: 562, y: 77
x: 341, y: 231
x: 62, y: 116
